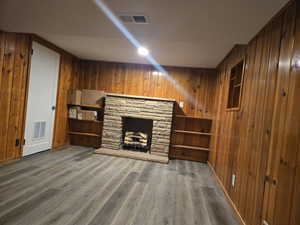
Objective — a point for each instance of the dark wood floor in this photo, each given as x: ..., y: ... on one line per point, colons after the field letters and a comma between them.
x: 74, y: 186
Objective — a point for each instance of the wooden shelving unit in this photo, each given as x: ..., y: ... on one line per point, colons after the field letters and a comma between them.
x: 88, y: 106
x: 191, y: 138
x: 86, y: 132
x: 190, y: 147
x: 90, y: 121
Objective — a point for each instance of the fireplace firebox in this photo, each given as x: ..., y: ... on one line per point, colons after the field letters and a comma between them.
x: 136, y: 134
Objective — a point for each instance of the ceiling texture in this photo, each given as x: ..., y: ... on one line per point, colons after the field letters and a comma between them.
x: 193, y: 33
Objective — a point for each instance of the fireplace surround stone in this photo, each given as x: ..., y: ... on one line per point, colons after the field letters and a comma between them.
x: 157, y: 109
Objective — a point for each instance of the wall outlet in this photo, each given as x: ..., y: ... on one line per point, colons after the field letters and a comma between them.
x: 181, y: 104
x: 265, y: 222
x: 233, y: 180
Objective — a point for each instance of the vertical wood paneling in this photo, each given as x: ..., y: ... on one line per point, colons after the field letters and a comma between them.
x: 259, y: 140
x: 6, y: 88
x: 14, y: 63
x: 68, y: 76
x: 262, y: 139
x: 17, y: 107
x: 281, y: 112
x: 135, y: 79
x: 3, y: 121
x: 293, y: 141
x: 285, y: 144
x: 14, y: 55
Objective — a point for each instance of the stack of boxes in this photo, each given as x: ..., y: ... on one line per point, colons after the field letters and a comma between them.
x: 87, y: 99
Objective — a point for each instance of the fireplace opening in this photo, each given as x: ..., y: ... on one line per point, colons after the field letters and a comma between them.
x: 136, y: 134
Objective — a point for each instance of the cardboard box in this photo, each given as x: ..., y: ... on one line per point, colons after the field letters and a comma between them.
x: 92, y: 97
x: 86, y: 115
x: 74, y: 97
x: 73, y: 112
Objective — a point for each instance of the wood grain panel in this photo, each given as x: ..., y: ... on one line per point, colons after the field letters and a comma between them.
x: 260, y: 142
x: 14, y: 56
x: 67, y: 80
x: 135, y: 79
x: 14, y: 67
x: 282, y: 167
x: 18, y: 94
x: 293, y: 157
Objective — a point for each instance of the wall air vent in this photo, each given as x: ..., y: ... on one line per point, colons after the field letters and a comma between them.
x: 134, y: 18
x: 39, y: 129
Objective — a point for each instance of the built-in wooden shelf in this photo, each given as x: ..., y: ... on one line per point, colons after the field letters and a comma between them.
x: 191, y: 147
x: 89, y: 106
x: 190, y: 138
x: 89, y: 121
x: 84, y: 134
x: 235, y: 85
x: 192, y: 132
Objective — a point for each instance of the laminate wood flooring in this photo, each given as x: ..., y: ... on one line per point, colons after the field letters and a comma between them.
x: 76, y: 187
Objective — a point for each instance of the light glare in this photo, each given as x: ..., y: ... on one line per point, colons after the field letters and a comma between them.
x: 143, y: 51
x: 157, y: 73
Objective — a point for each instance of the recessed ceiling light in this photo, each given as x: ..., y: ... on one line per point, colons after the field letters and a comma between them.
x: 143, y: 51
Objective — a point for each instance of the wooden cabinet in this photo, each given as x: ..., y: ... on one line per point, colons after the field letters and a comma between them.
x: 190, y: 138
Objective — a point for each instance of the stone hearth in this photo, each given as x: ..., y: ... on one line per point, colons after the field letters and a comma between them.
x: 157, y: 109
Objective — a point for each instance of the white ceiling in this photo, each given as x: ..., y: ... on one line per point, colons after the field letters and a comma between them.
x: 196, y: 33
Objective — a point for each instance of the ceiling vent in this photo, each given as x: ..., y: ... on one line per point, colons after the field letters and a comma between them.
x: 140, y: 19
x: 136, y: 19
x: 126, y: 19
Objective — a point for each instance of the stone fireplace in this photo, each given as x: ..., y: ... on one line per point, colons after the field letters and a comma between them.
x: 147, y: 122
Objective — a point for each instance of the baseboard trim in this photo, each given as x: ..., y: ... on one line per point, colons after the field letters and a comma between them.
x: 58, y: 148
x: 237, y: 213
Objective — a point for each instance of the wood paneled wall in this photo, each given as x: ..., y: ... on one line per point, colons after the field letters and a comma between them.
x: 135, y: 79
x: 15, y: 54
x: 68, y: 79
x: 14, y: 58
x: 260, y: 143
x: 75, y: 73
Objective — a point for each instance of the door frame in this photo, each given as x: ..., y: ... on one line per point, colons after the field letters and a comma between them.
x: 53, y: 48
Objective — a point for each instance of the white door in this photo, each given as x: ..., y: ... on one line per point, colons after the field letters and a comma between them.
x: 41, y: 103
